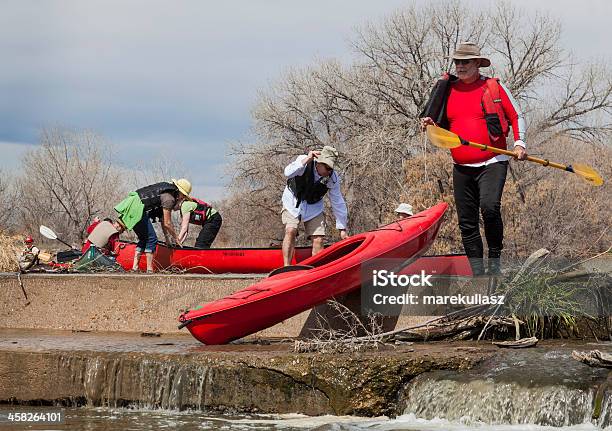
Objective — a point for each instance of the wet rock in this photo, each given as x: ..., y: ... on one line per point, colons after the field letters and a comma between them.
x: 269, y: 379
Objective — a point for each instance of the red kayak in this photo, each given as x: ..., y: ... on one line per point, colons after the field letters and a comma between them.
x: 210, y: 261
x: 332, y: 272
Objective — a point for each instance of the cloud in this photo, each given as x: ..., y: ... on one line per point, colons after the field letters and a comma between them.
x: 148, y: 74
x: 12, y: 153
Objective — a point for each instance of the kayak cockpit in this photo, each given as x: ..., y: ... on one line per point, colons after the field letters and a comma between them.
x: 337, y: 252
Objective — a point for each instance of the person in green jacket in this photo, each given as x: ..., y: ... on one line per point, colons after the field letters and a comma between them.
x: 138, y: 210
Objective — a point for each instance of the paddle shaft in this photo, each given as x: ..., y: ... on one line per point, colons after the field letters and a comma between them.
x: 543, y: 162
x: 63, y: 242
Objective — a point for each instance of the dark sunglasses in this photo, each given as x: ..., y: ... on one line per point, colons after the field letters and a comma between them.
x: 461, y: 61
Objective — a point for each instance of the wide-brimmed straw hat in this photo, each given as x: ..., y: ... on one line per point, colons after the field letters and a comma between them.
x: 183, y: 185
x: 470, y: 51
x: 328, y: 155
x: 120, y: 223
x: 404, y: 209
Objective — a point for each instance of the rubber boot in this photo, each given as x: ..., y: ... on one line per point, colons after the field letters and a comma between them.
x: 494, y: 266
x: 494, y: 271
x: 474, y: 252
x: 477, y: 264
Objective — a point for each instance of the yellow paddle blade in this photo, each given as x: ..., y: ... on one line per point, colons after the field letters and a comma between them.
x: 442, y: 138
x: 588, y: 173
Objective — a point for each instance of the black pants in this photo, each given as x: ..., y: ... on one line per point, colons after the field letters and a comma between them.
x: 480, y: 188
x: 209, y: 231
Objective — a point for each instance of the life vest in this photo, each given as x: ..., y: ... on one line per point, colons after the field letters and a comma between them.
x: 202, y: 212
x: 28, y: 258
x: 493, y: 113
x: 101, y: 234
x: 495, y: 117
x: 151, y: 198
x: 435, y: 108
x: 497, y: 123
x: 305, y: 188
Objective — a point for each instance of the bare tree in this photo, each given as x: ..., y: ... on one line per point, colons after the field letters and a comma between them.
x: 369, y: 110
x: 408, y: 51
x: 558, y: 211
x: 69, y: 179
x: 7, y: 199
x: 162, y: 167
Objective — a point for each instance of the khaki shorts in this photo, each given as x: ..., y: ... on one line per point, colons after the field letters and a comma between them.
x: 315, y: 226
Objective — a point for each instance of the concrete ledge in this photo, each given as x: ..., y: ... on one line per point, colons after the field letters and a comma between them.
x: 112, y: 302
x: 131, y: 275
x: 132, y: 302
x: 172, y: 372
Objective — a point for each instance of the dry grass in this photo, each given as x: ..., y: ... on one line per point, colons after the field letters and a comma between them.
x: 10, y: 246
x: 541, y: 207
x: 369, y: 110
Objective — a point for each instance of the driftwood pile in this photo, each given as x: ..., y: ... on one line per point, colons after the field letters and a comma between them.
x: 475, y: 322
x: 594, y: 358
x: 325, y: 338
x: 517, y: 344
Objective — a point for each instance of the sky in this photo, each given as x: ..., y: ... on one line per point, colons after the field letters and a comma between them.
x: 177, y: 80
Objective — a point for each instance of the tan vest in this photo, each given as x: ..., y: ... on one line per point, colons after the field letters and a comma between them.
x: 101, y: 234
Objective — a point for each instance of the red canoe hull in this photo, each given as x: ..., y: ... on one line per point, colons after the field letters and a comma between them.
x: 210, y: 261
x: 337, y: 270
x: 263, y: 260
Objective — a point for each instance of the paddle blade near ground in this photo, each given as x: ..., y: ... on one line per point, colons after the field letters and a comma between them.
x: 47, y: 232
x: 588, y: 173
x: 442, y: 138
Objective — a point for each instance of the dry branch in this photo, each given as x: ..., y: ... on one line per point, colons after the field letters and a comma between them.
x: 369, y: 110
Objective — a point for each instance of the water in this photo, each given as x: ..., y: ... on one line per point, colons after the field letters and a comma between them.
x: 531, y: 386
x: 106, y: 419
x: 49, y: 340
x: 532, y: 389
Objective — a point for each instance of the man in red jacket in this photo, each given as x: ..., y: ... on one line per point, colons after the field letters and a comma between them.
x: 480, y: 109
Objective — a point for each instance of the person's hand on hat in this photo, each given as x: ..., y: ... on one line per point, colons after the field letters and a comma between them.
x: 311, y: 156
x: 343, y: 234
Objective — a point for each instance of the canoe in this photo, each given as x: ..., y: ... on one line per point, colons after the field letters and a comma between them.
x: 332, y: 272
x: 261, y: 260
x: 209, y: 261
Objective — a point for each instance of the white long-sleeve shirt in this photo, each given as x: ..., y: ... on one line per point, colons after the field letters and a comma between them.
x: 308, y: 211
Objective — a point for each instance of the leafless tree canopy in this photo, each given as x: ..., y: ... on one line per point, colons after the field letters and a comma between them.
x: 369, y: 110
x: 7, y: 201
x: 162, y: 167
x: 68, y: 180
